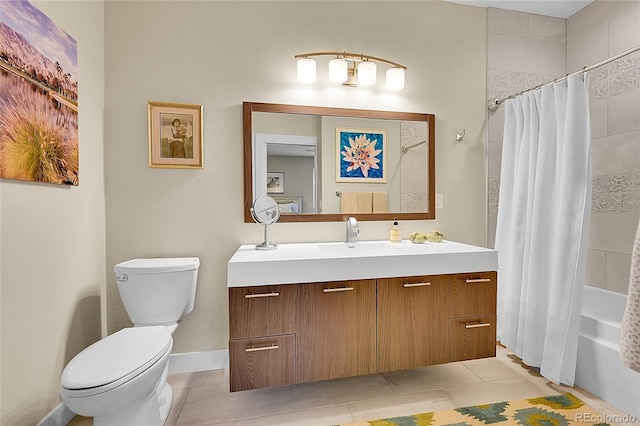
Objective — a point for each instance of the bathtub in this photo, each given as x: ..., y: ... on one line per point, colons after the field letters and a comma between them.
x: 599, y: 368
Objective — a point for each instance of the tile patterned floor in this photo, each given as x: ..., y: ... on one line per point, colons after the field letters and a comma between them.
x: 204, y: 398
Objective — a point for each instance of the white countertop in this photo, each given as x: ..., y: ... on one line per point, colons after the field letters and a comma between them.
x: 336, y: 261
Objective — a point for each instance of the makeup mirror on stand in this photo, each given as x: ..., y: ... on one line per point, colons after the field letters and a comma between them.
x: 265, y: 210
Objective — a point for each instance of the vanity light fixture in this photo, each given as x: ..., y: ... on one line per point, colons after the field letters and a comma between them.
x: 351, y: 69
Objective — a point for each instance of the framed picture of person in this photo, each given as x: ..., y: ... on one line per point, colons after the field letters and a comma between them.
x: 175, y: 135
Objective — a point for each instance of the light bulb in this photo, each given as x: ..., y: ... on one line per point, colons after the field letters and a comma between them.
x: 395, y: 79
x: 366, y: 73
x: 338, y: 70
x: 306, y: 70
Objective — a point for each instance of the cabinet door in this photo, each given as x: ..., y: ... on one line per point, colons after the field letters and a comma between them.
x: 335, y: 330
x: 472, y: 337
x: 412, y: 322
x: 261, y: 311
x: 260, y: 363
x: 473, y: 294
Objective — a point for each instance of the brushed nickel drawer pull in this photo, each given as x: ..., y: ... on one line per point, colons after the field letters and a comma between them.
x: 477, y: 325
x: 333, y: 290
x: 262, y: 348
x: 256, y: 295
x: 406, y: 285
x: 478, y: 280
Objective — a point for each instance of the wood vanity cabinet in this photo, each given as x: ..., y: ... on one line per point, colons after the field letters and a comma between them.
x: 297, y: 333
x: 261, y: 336
x: 472, y: 320
x: 335, y: 330
x: 412, y: 322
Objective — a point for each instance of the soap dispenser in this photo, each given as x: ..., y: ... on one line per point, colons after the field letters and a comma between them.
x: 394, y: 233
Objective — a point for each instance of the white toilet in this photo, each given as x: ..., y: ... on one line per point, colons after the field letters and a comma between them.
x: 122, y: 379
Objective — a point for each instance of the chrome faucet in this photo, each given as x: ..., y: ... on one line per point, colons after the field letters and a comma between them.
x: 352, y: 230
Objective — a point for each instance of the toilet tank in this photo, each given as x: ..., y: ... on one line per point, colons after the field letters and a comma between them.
x: 157, y: 291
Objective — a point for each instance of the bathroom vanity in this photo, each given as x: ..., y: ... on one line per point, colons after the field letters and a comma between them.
x: 318, y: 311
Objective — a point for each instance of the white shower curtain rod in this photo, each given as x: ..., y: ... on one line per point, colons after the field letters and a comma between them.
x: 494, y: 104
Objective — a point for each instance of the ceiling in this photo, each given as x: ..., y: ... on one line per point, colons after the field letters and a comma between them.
x: 556, y: 8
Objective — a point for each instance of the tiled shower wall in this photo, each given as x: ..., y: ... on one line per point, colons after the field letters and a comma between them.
x: 600, y: 31
x: 413, y: 175
x: 523, y: 51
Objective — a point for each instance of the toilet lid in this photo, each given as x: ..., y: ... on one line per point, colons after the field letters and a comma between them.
x: 120, y: 355
x: 157, y: 265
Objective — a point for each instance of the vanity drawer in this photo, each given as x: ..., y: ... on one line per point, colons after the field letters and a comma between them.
x: 472, y: 337
x: 261, y: 311
x: 473, y: 294
x: 260, y: 363
x: 412, y: 322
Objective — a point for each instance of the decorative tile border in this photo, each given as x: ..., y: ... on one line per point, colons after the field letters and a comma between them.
x: 608, y: 80
x: 614, y: 193
x: 501, y: 84
x: 616, y: 77
x: 494, y: 194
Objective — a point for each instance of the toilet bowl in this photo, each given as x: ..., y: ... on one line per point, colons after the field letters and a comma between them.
x: 116, y: 379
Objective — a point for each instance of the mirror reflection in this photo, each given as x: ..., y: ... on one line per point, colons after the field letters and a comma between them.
x: 325, y: 164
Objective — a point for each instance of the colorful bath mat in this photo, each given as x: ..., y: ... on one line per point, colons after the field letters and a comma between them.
x: 556, y: 410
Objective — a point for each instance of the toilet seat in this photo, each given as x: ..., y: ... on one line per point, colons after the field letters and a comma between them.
x: 120, y: 357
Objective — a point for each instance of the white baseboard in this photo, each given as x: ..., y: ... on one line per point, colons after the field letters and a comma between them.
x: 198, y: 361
x: 59, y: 416
x: 178, y: 363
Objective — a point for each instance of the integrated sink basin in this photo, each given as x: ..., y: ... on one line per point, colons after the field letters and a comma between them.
x: 364, y: 248
x: 331, y: 261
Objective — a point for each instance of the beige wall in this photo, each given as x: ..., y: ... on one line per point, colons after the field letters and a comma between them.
x: 53, y: 246
x: 220, y: 54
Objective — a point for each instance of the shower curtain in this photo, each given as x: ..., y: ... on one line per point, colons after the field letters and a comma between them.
x: 543, y: 217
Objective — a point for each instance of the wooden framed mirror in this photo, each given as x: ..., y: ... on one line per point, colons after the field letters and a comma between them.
x: 297, y: 154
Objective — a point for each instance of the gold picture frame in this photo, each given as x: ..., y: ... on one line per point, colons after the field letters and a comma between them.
x: 175, y: 135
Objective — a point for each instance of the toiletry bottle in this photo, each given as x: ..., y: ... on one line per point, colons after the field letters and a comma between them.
x: 394, y: 233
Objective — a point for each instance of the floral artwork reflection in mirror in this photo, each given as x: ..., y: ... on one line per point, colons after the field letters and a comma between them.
x: 38, y: 97
x: 360, y: 155
x: 175, y: 135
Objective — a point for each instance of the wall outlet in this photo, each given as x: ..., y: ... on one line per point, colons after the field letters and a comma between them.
x: 439, y: 201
